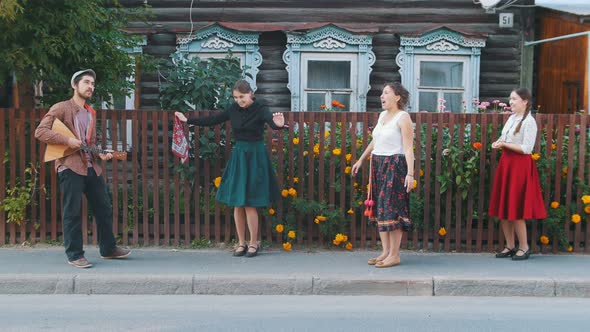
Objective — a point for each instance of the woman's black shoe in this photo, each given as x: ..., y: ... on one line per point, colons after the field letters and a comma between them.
x: 524, y: 256
x: 242, y: 252
x: 509, y: 253
x: 252, y: 253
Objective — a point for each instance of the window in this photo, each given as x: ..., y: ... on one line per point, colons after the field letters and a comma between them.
x: 216, y: 41
x: 441, y: 79
x: 441, y: 69
x: 325, y: 79
x: 326, y: 64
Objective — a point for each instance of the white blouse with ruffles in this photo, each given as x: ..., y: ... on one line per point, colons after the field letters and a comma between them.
x: 525, y: 137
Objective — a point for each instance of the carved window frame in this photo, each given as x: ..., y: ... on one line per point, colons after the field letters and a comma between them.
x: 442, y: 43
x: 334, y: 41
x: 216, y: 41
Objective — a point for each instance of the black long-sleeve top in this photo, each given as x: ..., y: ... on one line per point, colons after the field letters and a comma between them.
x: 247, y: 124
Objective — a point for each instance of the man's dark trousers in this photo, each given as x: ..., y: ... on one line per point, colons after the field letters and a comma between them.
x: 73, y: 186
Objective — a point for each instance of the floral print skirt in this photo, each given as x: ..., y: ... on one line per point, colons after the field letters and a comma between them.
x: 392, y: 202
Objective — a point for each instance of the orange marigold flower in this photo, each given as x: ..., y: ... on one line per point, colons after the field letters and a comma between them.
x: 564, y: 171
x: 535, y: 156
x: 316, y: 220
x: 335, y: 103
x: 339, y: 237
x: 287, y: 246
x: 421, y: 172
x: 576, y: 218
x: 305, y: 153
x: 293, y: 192
x: 336, y: 243
x: 347, y: 170
x: 321, y: 218
x: 348, y: 246
x: 322, y: 106
x: 553, y: 146
x: 295, y: 140
x: 337, y: 151
x: 544, y: 239
x: 348, y: 157
x: 356, y: 184
x: 316, y: 149
x: 586, y: 199
x: 477, y: 145
x: 442, y: 231
x: 291, y: 234
x: 351, y: 211
x: 570, y: 249
x: 295, y: 180
x: 344, y: 238
x: 587, y: 209
x: 271, y: 211
x: 327, y: 134
x: 415, y: 184
x: 217, y: 181
x: 284, y: 192
x: 554, y: 205
x: 280, y: 228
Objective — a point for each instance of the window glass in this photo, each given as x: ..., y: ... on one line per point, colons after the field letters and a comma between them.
x: 314, y: 101
x: 441, y: 74
x: 453, y: 102
x: 328, y: 74
x: 428, y: 101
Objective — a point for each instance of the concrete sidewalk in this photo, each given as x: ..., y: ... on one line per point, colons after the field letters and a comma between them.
x: 274, y: 272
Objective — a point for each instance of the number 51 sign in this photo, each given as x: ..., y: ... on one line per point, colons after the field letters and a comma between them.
x: 506, y: 20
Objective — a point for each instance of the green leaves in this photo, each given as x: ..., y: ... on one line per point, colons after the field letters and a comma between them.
x: 49, y: 40
x: 195, y: 84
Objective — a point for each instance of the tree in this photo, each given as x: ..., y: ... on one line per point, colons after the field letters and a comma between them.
x: 48, y: 40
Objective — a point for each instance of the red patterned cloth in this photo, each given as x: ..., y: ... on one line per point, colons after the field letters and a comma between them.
x: 179, y: 141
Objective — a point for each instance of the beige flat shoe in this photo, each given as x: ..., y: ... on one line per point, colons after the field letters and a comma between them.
x: 373, y: 261
x: 382, y: 264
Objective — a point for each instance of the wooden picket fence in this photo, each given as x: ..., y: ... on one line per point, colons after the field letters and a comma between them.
x: 154, y: 205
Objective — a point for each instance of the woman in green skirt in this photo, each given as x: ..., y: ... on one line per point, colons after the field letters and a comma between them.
x: 248, y: 180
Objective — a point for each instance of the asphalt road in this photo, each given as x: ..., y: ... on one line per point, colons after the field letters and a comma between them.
x: 290, y: 313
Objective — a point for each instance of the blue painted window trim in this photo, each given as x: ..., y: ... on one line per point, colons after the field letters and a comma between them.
x: 329, y: 39
x: 439, y: 42
x: 216, y: 39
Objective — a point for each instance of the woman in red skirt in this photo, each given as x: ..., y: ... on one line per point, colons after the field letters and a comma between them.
x: 516, y: 192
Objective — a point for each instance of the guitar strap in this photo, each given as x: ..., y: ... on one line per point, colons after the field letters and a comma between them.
x: 90, y: 127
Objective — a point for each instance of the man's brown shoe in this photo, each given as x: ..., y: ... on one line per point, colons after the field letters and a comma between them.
x: 118, y: 253
x: 82, y: 263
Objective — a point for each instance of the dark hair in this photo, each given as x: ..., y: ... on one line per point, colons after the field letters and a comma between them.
x: 78, y: 78
x: 242, y: 86
x: 401, y: 91
x: 524, y: 94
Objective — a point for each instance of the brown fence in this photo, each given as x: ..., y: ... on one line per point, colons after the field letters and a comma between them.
x: 158, y: 201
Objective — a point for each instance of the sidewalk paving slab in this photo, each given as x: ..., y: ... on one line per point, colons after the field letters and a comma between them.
x: 43, y: 270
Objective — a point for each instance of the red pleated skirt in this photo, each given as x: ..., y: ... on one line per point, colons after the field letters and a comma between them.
x: 516, y: 191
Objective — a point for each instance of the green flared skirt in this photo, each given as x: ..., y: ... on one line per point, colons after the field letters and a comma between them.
x: 248, y: 178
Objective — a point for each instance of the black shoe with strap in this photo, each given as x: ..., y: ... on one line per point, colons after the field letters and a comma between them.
x: 525, y: 255
x: 504, y: 254
x: 252, y: 253
x: 239, y: 253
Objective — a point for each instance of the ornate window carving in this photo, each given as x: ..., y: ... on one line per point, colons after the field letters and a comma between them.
x: 328, y: 63
x: 441, y: 64
x: 216, y: 41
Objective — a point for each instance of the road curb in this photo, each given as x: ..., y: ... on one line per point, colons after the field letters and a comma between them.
x: 264, y: 284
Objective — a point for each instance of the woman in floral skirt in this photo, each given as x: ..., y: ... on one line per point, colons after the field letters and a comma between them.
x: 391, y: 173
